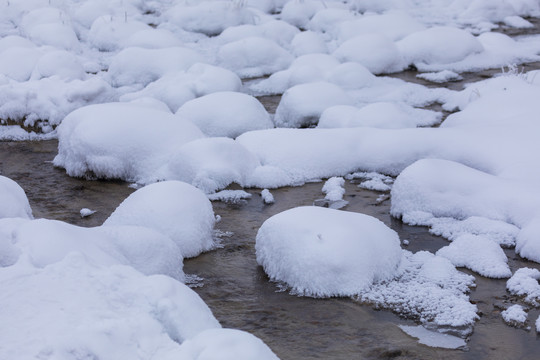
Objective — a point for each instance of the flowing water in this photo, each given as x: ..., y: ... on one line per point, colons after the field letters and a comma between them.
x: 240, y: 294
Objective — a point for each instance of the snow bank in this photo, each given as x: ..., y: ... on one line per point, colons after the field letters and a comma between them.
x: 13, y: 200
x: 225, y: 344
x: 212, y: 164
x: 441, y: 45
x: 226, y: 114
x: 119, y: 140
x: 87, y: 310
x: 478, y: 253
x: 323, y: 252
x: 176, y: 209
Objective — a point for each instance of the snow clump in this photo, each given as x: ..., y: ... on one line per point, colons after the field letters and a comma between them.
x: 515, y: 315
x: 524, y: 282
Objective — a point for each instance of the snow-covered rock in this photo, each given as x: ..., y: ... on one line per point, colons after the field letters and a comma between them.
x: 119, y: 140
x: 226, y: 113
x: 515, y: 315
x: 324, y: 252
x: 302, y: 105
x: 174, y: 208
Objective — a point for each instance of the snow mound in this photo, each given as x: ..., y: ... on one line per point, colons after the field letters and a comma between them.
x: 515, y: 315
x: 226, y: 114
x: 225, y: 344
x: 478, y: 253
x: 308, y: 42
x: 119, y: 140
x: 375, y: 51
x: 212, y: 164
x: 302, y: 105
x: 174, y: 208
x: 110, y: 33
x: 333, y: 188
x: 209, y: 17
x: 253, y: 57
x: 142, y: 66
x: 440, y: 77
x: 324, y: 252
x: 13, y: 200
x: 267, y: 196
x: 176, y: 88
x: 45, y: 242
x: 524, y: 282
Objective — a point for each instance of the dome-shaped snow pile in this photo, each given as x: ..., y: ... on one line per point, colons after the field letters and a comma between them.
x: 324, y: 252
x: 173, y: 208
x: 120, y: 140
x: 13, y: 200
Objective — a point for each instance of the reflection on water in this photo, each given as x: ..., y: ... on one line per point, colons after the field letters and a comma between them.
x: 239, y: 293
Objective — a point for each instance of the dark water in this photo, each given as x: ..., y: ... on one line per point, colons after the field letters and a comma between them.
x: 239, y: 293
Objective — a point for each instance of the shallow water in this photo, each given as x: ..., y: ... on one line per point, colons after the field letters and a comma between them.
x: 239, y: 293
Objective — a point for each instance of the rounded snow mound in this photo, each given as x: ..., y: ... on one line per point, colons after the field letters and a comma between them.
x: 253, y: 57
x: 226, y: 113
x: 323, y: 252
x: 212, y: 164
x: 120, y: 141
x: 174, y: 208
x: 13, y: 200
x: 225, y: 344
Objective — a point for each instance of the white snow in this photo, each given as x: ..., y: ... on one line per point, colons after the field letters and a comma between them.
x: 302, y: 105
x: 226, y: 114
x: 333, y: 188
x: 386, y: 115
x: 267, y: 196
x: 13, y: 200
x: 212, y: 164
x: 440, y: 76
x: 524, y: 282
x: 478, y: 253
x: 230, y: 196
x: 174, y: 208
x: 515, y: 315
x: 225, y: 344
x: 433, y: 338
x: 253, y: 57
x: 85, y: 212
x: 373, y: 180
x: 324, y: 252
x: 119, y: 140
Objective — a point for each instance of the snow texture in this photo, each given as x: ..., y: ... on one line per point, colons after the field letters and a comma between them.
x: 524, y: 282
x: 478, y: 253
x: 515, y: 315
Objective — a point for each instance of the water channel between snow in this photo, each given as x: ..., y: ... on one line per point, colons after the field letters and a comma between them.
x: 240, y: 294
